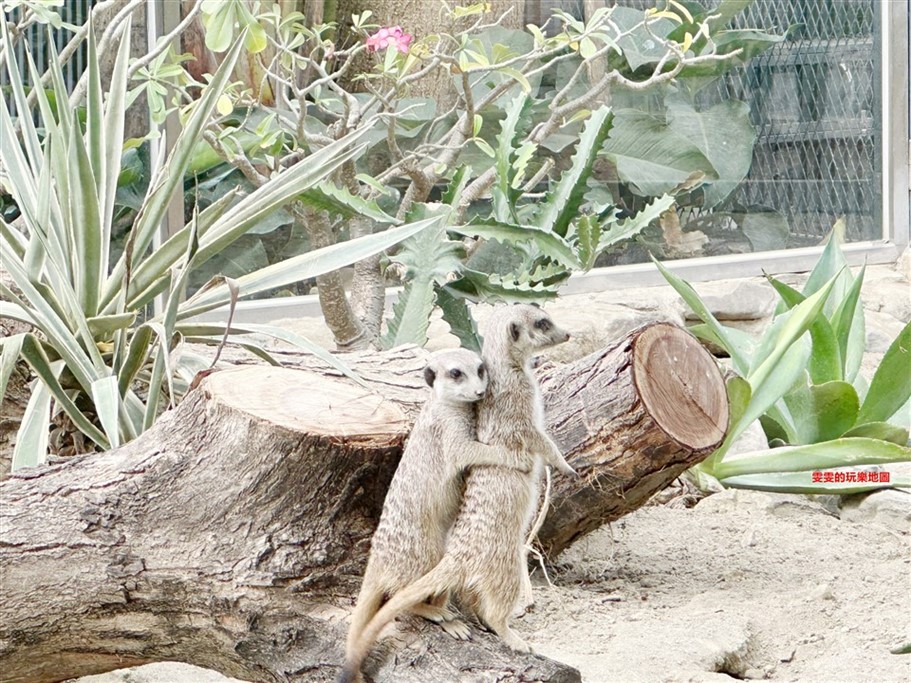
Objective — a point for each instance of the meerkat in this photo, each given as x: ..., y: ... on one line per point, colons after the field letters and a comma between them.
x: 424, y: 496
x: 484, y: 560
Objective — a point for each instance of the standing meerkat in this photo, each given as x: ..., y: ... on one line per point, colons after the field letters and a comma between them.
x: 484, y: 558
x: 425, y: 492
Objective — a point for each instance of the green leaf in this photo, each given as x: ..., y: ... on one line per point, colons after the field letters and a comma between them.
x: 493, y: 288
x: 34, y: 430
x: 114, y: 122
x: 304, y: 266
x: 106, y: 397
x: 802, y: 482
x: 103, y: 326
x: 891, y: 384
x: 739, y: 394
x: 47, y: 372
x: 588, y: 236
x: 830, y: 263
x: 767, y: 231
x: 136, y: 358
x: 632, y: 226
x: 212, y: 331
x: 743, y: 341
x: 845, y: 317
x: 170, y: 177
x: 278, y: 192
x: 30, y: 140
x: 561, y: 205
x: 639, y: 48
x: 220, y: 26
x: 845, y: 452
x: 725, y: 136
x: 452, y: 195
x: 797, y: 322
x: 507, y: 139
x: 328, y: 196
x: 550, y: 244
x: 826, y: 360
x: 429, y: 259
x: 882, y: 431
x: 458, y: 316
x: 160, y: 373
x: 788, y: 371
x: 650, y: 156
x: 691, y: 298
x: 822, y: 412
x: 9, y: 356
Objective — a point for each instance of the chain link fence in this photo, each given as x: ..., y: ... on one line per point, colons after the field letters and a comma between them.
x: 815, y: 103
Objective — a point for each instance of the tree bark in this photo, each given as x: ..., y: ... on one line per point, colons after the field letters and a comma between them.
x: 233, y: 534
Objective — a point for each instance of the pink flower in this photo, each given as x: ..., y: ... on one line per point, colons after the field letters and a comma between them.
x: 392, y: 36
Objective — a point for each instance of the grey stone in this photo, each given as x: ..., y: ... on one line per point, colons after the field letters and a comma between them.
x: 753, y: 439
x: 889, y: 507
x: 751, y: 299
x: 881, y: 331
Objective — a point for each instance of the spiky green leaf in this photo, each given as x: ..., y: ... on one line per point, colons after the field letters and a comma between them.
x: 562, y: 203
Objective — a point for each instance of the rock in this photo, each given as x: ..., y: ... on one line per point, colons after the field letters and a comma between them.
x: 753, y: 439
x: 889, y: 507
x: 887, y: 291
x: 752, y: 299
x: 822, y: 592
x: 159, y: 672
x: 903, y: 265
x: 881, y: 330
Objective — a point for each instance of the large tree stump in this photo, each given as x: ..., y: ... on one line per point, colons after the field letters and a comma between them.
x: 233, y: 534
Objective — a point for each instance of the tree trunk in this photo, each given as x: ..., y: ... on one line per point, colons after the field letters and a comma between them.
x: 234, y: 533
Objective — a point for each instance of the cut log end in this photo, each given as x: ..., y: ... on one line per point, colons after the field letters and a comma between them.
x: 680, y: 386
x: 306, y: 402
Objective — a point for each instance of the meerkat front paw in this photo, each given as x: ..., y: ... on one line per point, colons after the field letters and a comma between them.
x: 457, y: 629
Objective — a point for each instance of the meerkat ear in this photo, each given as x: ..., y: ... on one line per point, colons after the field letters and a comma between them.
x: 515, y: 331
x: 429, y: 376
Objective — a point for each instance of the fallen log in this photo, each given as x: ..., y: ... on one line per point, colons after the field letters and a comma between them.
x: 233, y: 534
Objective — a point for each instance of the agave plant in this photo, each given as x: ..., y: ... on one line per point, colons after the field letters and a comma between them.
x: 102, y: 356
x: 802, y: 381
x: 543, y: 242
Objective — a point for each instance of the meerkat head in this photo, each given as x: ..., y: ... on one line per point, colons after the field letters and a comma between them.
x: 457, y: 376
x: 521, y: 331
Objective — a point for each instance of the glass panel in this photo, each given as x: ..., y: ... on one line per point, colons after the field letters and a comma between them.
x: 815, y: 105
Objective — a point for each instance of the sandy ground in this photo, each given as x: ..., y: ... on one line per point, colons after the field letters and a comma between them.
x: 744, y: 585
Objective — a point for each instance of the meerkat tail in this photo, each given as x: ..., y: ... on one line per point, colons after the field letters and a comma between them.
x: 368, y: 604
x: 441, y: 578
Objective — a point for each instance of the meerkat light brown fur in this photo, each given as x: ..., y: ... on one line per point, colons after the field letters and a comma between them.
x: 484, y: 558
x: 425, y: 492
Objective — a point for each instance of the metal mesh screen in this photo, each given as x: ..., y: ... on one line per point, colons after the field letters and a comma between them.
x: 815, y: 102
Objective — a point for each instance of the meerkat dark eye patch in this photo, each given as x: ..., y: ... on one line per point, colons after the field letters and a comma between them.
x: 543, y: 324
x: 429, y: 376
x: 455, y: 373
x: 481, y: 370
x: 514, y: 331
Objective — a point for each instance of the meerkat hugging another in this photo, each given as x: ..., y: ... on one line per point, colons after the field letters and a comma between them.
x: 426, y: 547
